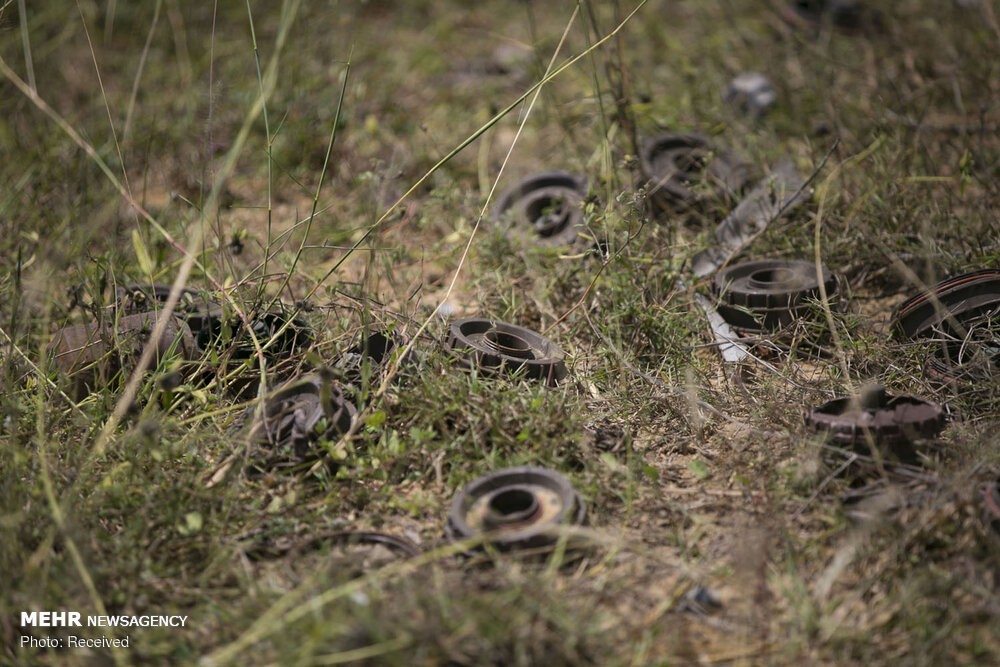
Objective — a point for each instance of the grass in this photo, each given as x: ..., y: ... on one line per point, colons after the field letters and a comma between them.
x: 350, y: 192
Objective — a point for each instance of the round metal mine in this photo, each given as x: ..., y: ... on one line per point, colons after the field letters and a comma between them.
x: 770, y: 294
x: 520, y: 506
x: 495, y: 345
x: 545, y: 208
x: 377, y: 348
x: 291, y: 415
x: 959, y: 299
x: 887, y: 420
x: 674, y: 163
x: 233, y: 333
x: 84, y: 350
x: 191, y: 306
x: 844, y: 15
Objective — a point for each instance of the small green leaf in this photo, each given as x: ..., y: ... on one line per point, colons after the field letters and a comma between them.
x: 608, y: 459
x: 376, y: 419
x: 651, y: 472
x: 699, y: 469
x: 192, y: 524
x: 141, y: 254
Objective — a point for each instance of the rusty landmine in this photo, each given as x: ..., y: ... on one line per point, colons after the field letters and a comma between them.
x: 848, y: 16
x: 137, y: 298
x: 890, y: 422
x: 962, y: 299
x: 673, y: 164
x: 343, y: 554
x: 492, y: 346
x: 231, y: 334
x: 964, y: 366
x: 378, y: 348
x: 992, y: 500
x: 191, y: 306
x: 768, y: 295
x: 545, y: 208
x: 94, y: 352
x: 342, y: 538
x: 297, y: 416
x: 522, y: 507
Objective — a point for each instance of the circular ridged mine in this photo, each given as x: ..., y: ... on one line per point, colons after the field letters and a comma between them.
x: 375, y: 349
x: 291, y: 414
x: 773, y: 291
x: 961, y: 298
x: 522, y: 506
x: 191, y: 306
x: 964, y: 365
x: 887, y: 420
x: 233, y: 333
x: 85, y: 350
x: 673, y: 163
x: 848, y: 16
x: 137, y: 298
x: 545, y: 208
x: 492, y: 345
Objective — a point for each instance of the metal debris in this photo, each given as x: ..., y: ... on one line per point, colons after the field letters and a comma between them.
x: 700, y: 600
x: 992, y: 500
x: 296, y: 416
x: 849, y: 16
x: 751, y: 92
x: 779, y: 193
x: 523, y: 507
x: 545, y: 208
x: 492, y: 345
x: 730, y: 347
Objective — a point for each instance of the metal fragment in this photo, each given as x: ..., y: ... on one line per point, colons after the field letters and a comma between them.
x: 730, y: 347
x: 777, y: 194
x: 750, y: 92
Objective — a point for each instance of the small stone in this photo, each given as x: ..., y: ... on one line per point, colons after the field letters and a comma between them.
x: 752, y: 93
x: 700, y: 600
x: 446, y: 310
